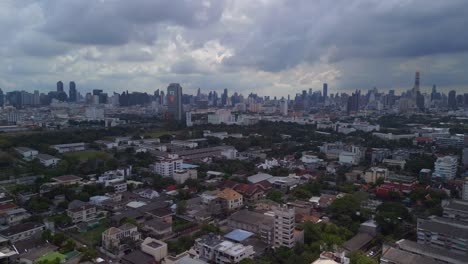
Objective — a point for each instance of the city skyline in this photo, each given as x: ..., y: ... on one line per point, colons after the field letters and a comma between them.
x: 241, y: 46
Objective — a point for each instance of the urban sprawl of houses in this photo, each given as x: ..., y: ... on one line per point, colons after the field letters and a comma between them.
x: 173, y: 178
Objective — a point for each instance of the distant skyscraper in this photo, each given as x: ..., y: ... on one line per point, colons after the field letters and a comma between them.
x: 452, y: 101
x: 72, y: 92
x: 416, y: 83
x: 2, y: 99
x: 353, y: 102
x: 325, y: 90
x: 224, y: 97
x: 283, y: 107
x: 59, y: 86
x: 174, y: 98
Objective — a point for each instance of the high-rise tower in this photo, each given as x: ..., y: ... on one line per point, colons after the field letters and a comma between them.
x: 59, y: 86
x: 174, y: 101
x: 72, y: 92
x: 325, y: 90
x: 416, y: 83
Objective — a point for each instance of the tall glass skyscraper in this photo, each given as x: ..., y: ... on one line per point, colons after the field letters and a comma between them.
x: 174, y: 101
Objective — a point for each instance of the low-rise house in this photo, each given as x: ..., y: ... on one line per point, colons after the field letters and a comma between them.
x: 251, y: 192
x: 15, y: 216
x: 22, y: 231
x: 113, y: 239
x: 72, y: 147
x: 148, y: 194
x: 232, y: 199
x: 162, y: 214
x: 158, y: 228
x: 119, y: 186
x: 48, y: 160
x: 27, y: 153
x: 107, y: 144
x: 67, y: 179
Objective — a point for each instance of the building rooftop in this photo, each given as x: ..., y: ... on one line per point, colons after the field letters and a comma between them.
x: 238, y: 235
x: 259, y: 177
x: 394, y: 255
x: 229, y: 194
x: 445, y: 226
x: 433, y: 252
x: 66, y: 178
x: 250, y: 217
x: 457, y: 205
x: 13, y: 230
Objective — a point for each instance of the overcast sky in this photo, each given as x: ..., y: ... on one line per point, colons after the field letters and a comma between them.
x: 267, y: 46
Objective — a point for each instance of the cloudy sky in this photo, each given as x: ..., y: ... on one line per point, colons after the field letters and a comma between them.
x: 275, y: 47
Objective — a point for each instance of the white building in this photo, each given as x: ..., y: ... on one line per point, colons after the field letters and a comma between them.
x: 283, y: 107
x: 180, y: 176
x: 72, y: 147
x: 167, y: 167
x: 185, y: 144
x: 445, y: 167
x: 217, y: 250
x: 27, y: 153
x: 284, y: 226
x: 94, y: 113
x: 48, y: 160
x: 375, y: 173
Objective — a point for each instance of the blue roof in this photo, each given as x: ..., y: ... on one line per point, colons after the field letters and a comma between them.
x: 238, y: 235
x: 188, y: 166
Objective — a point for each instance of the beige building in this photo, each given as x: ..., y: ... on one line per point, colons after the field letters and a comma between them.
x: 233, y: 199
x: 112, y: 238
x: 375, y: 173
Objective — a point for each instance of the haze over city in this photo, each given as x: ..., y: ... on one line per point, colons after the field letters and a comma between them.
x: 273, y: 48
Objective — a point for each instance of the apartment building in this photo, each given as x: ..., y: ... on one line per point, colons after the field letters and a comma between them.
x: 445, y: 168
x: 180, y: 176
x: 81, y: 212
x: 167, y: 167
x: 22, y: 231
x: 261, y: 224
x: 284, y: 226
x: 72, y: 147
x: 27, y: 153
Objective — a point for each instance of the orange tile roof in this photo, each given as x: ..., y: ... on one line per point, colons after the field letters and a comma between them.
x: 229, y: 194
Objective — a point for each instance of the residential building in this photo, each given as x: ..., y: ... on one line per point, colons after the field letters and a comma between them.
x: 215, y: 249
x: 22, y: 231
x: 445, y: 168
x: 375, y: 173
x: 112, y: 238
x: 443, y: 233
x: 118, y: 185
x: 27, y: 153
x: 81, y: 212
x: 48, y: 160
x: 251, y: 192
x: 15, y: 216
x: 232, y: 199
x: 260, y: 224
x: 158, y: 228
x: 71, y: 147
x: 394, y: 163
x: 464, y: 193
x: 155, y: 248
x: 180, y: 176
x: 148, y: 194
x: 166, y: 167
x: 67, y: 179
x: 284, y: 226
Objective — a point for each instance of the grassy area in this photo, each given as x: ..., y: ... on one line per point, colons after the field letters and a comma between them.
x: 89, y: 154
x: 93, y: 237
x: 51, y: 256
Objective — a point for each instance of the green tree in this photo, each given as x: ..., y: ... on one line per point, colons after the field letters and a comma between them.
x: 390, y: 216
x: 181, y: 207
x: 275, y: 195
x: 359, y: 257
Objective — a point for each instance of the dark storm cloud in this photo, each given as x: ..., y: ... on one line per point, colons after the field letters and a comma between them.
x: 294, y: 32
x: 119, y: 22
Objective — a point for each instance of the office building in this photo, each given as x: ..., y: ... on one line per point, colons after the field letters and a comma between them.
x: 174, y: 98
x: 452, y: 100
x: 60, y: 86
x: 2, y: 98
x: 283, y: 107
x: 72, y: 95
x: 445, y: 168
x: 325, y: 90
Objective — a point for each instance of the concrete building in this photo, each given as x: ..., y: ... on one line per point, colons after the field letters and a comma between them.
x: 465, y: 189
x: 445, y: 168
x: 445, y: 233
x: 27, y: 153
x: 82, y: 212
x: 22, y: 231
x: 112, y: 237
x: 72, y: 147
x: 465, y: 158
x: 260, y: 224
x: 233, y: 200
x: 155, y: 248
x: 455, y: 209
x: 180, y: 176
x: 48, y: 160
x: 284, y: 226
x: 174, y: 99
x: 167, y: 167
x: 214, y: 249
x: 375, y: 173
